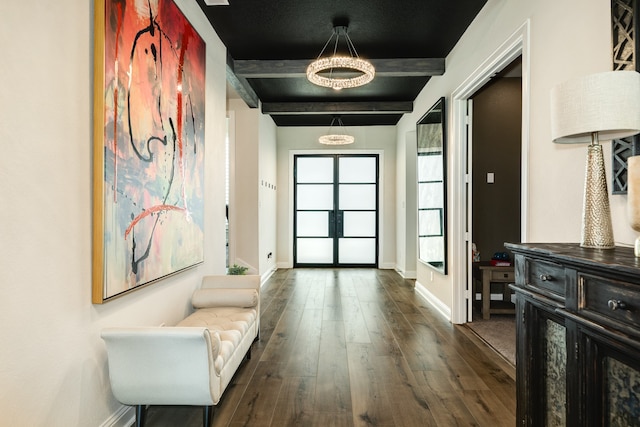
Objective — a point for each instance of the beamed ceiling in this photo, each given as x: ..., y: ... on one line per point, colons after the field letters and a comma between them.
x: 270, y: 43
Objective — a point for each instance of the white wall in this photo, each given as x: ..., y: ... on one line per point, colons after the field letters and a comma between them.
x: 243, y: 210
x: 253, y: 209
x: 53, y: 363
x: 268, y: 190
x: 569, y: 38
x: 367, y: 139
x: 406, y: 205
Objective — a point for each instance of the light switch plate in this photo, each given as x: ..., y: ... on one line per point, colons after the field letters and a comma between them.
x: 490, y: 178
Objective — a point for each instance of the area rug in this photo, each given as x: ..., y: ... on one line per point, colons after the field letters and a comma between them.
x: 499, y: 332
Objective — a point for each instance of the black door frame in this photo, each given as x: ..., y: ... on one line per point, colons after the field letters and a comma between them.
x: 336, y: 216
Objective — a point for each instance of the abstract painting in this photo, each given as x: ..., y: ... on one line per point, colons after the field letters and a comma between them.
x: 148, y: 168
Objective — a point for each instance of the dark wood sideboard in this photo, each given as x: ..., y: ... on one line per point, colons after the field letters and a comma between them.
x: 578, y: 335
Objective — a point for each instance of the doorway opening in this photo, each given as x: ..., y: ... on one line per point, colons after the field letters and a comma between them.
x: 496, y: 153
x: 495, y: 170
x: 517, y: 46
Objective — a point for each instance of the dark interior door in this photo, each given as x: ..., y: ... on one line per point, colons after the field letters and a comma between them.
x: 336, y: 210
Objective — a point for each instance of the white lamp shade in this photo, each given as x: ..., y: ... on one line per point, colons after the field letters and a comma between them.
x: 607, y: 103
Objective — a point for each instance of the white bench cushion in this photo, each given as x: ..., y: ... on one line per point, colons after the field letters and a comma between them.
x: 230, y: 323
x: 220, y: 297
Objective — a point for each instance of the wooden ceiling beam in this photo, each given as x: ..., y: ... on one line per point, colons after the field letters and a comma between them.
x: 275, y: 108
x: 396, y: 67
x: 241, y: 85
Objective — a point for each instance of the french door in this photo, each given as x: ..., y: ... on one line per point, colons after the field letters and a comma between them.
x: 335, y: 210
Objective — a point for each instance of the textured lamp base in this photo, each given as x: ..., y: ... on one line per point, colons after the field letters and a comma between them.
x: 597, y: 231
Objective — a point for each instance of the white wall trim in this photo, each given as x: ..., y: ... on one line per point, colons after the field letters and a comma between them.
x: 386, y: 266
x: 125, y: 416
x: 433, y: 301
x: 265, y: 276
x: 406, y: 274
x: 284, y: 265
x: 518, y: 44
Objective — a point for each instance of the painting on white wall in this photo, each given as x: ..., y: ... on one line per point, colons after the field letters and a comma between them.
x: 148, y: 207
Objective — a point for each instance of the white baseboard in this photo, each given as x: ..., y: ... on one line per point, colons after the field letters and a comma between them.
x: 407, y: 274
x: 433, y: 301
x: 285, y: 265
x: 125, y: 416
x: 267, y: 275
x: 387, y: 266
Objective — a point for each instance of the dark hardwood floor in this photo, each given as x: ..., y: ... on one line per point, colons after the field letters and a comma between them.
x: 358, y: 347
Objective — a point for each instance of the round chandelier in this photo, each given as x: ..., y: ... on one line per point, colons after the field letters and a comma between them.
x: 334, y: 71
x: 336, y: 138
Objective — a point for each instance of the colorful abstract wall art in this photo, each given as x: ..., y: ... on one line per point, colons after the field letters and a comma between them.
x: 149, y: 101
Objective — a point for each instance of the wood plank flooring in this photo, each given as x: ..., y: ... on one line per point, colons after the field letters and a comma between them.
x: 358, y: 347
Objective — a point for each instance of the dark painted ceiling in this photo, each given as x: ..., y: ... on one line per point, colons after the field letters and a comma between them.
x: 270, y: 44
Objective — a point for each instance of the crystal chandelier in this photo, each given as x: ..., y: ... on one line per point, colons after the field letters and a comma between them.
x: 337, y: 64
x: 340, y: 138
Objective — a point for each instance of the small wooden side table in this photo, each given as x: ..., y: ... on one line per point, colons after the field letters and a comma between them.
x: 486, y: 274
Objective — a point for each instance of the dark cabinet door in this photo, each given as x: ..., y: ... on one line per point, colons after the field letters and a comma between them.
x: 611, y: 379
x: 544, y: 370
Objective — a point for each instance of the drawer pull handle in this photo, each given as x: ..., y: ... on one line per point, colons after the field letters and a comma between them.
x: 546, y: 278
x: 615, y: 304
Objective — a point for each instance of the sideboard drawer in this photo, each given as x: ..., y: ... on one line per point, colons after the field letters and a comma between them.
x: 614, y: 300
x: 506, y: 275
x: 545, y: 276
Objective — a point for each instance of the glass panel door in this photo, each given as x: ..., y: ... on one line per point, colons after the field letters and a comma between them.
x: 314, y: 206
x: 357, y: 210
x: 336, y: 210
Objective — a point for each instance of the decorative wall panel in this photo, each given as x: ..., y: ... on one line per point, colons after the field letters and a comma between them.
x: 624, y: 20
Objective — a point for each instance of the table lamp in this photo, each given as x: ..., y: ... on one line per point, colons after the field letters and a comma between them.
x: 600, y: 106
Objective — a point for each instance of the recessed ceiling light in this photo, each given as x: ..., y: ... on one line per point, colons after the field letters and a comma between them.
x: 217, y: 2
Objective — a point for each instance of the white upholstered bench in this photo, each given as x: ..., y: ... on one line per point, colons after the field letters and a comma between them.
x: 193, y: 362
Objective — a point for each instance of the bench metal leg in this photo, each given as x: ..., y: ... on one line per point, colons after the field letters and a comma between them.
x: 141, y: 415
x: 208, y: 416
